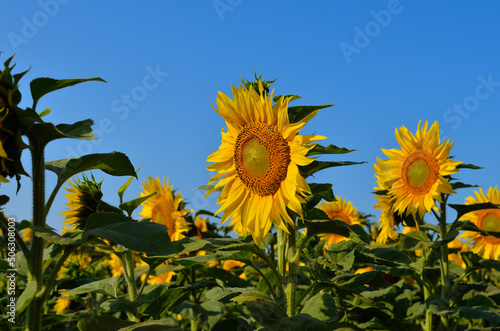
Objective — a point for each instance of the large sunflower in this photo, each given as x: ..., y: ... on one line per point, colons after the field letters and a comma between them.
x: 417, y: 172
x: 486, y: 220
x: 164, y: 207
x: 342, y: 211
x: 258, y: 159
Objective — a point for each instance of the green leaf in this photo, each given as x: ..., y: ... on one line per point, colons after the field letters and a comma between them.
x: 356, y: 283
x: 130, y: 206
x: 232, y: 323
x: 324, y: 225
x: 107, y: 286
x: 292, y: 96
x: 151, y: 326
x: 316, y: 166
x: 464, y: 209
x: 468, y: 166
x: 209, y: 187
x: 217, y: 256
x: 459, y: 185
x: 41, y: 86
x: 474, y: 261
x: 206, y: 314
x: 92, y: 322
x: 302, y: 322
x: 388, y: 254
x: 330, y: 149
x: 47, y: 132
x: 266, y: 312
x: 53, y: 237
x: 150, y: 238
x: 115, y: 164
x: 297, y: 113
x: 44, y: 112
x: 26, y: 297
x: 322, y: 307
x: 162, y: 299
x: 323, y: 191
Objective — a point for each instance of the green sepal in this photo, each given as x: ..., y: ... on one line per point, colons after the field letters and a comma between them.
x: 468, y: 166
x: 43, y: 85
x: 292, y: 96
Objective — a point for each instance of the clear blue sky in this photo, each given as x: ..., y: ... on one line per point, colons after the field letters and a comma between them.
x: 383, y: 63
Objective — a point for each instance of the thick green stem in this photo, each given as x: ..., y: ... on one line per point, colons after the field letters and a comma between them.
x: 35, y: 262
x: 130, y: 276
x: 428, y: 313
x: 281, y: 236
x: 291, y: 282
x: 444, y: 266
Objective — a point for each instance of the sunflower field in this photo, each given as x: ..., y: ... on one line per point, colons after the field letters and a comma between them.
x: 282, y: 252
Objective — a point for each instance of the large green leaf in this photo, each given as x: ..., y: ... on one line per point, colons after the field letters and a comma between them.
x: 464, y: 209
x: 53, y: 237
x: 474, y: 261
x: 43, y: 85
x: 107, y: 286
x: 150, y: 238
x: 206, y: 314
x: 322, y: 307
x: 266, y: 312
x: 297, y: 113
x: 47, y: 132
x: 130, y: 206
x: 92, y: 322
x: 26, y: 297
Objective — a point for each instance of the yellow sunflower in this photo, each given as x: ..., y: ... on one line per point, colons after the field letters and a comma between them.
x: 386, y: 230
x: 83, y: 198
x: 258, y: 159
x: 487, y: 220
x: 417, y: 171
x: 27, y: 234
x: 342, y: 211
x: 164, y: 207
x: 62, y: 303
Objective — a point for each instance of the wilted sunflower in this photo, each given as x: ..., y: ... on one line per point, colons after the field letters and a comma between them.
x: 258, y: 159
x: 417, y: 171
x: 164, y: 207
x: 342, y: 211
x: 486, y: 220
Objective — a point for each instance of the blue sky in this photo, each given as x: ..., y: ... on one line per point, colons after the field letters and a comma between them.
x: 383, y: 63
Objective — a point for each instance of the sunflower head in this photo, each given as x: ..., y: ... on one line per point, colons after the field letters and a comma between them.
x: 165, y: 207
x: 258, y: 161
x: 11, y: 143
x: 417, y: 174
x: 342, y: 211
x: 487, y: 220
x: 84, y: 199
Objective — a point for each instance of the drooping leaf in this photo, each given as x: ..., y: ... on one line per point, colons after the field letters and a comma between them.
x: 43, y: 85
x: 53, y: 237
x: 459, y: 185
x: 26, y: 296
x: 47, y: 132
x: 266, y: 312
x: 207, y: 314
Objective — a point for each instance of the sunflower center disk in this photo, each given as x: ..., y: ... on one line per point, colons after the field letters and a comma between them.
x: 420, y: 171
x: 491, y: 222
x: 261, y: 157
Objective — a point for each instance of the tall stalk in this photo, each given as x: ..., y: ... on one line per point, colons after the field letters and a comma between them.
x: 35, y: 263
x: 444, y: 267
x: 291, y: 281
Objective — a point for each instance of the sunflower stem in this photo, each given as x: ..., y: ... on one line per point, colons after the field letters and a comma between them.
x: 444, y: 258
x: 129, y: 275
x: 292, y: 273
x: 281, y: 251
x: 427, y: 293
x: 35, y: 261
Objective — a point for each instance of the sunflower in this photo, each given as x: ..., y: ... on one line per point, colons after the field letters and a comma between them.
x: 62, y: 303
x: 342, y: 211
x: 165, y: 207
x: 486, y: 220
x: 417, y: 172
x: 386, y: 230
x: 84, y: 197
x: 258, y: 161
